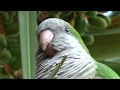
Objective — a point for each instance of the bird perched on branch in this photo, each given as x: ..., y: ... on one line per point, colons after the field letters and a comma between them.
x: 57, y: 38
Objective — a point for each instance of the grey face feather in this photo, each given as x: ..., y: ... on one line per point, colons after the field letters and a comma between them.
x: 78, y: 64
x: 58, y: 27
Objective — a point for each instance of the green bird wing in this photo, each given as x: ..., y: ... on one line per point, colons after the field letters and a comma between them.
x: 104, y: 72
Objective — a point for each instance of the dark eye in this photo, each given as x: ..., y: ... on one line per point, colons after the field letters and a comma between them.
x: 66, y: 30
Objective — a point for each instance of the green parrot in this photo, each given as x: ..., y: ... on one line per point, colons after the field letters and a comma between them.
x: 57, y: 38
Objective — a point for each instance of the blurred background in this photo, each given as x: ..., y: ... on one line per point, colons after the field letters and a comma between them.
x: 100, y: 31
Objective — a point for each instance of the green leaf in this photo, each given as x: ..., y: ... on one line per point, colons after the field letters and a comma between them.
x: 28, y: 24
x: 54, y: 72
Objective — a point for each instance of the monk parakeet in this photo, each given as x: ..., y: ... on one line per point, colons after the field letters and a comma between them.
x: 57, y: 38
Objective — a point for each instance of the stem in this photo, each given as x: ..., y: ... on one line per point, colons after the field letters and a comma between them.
x: 103, y: 32
x: 9, y: 70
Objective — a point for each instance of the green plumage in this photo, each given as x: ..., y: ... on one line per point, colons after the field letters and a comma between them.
x: 105, y: 72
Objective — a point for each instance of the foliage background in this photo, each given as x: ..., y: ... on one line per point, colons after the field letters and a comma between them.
x: 18, y: 39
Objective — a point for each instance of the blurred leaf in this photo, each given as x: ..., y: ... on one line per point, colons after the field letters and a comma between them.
x: 115, y: 59
x: 16, y: 64
x: 28, y: 24
x: 54, y: 72
x: 12, y: 28
x: 105, y: 47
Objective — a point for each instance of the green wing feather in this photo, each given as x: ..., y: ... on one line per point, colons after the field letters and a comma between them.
x: 105, y: 72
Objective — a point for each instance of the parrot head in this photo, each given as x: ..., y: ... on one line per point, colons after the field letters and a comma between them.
x: 55, y: 35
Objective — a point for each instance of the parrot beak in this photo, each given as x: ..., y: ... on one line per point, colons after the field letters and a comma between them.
x: 45, y: 38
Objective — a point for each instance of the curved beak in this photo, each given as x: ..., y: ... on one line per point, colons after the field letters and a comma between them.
x: 46, y: 37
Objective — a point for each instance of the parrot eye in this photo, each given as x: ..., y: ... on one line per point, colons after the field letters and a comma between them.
x: 67, y: 30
